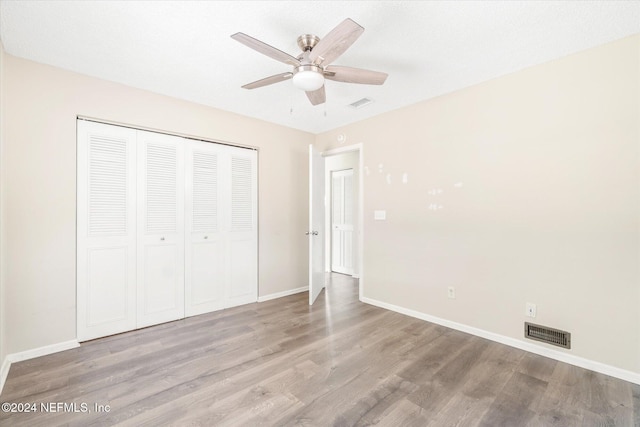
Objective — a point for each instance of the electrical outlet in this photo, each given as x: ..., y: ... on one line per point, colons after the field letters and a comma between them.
x: 451, y: 292
x: 531, y: 310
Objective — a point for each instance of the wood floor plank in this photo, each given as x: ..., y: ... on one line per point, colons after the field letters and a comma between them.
x: 350, y: 376
x: 339, y: 362
x: 445, y: 382
x: 636, y: 405
x: 369, y: 408
x: 404, y: 413
x: 513, y: 406
x: 486, y: 380
x: 538, y: 367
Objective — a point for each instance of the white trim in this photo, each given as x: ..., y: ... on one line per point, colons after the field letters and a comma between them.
x: 342, y: 150
x: 283, y: 294
x: 4, y: 371
x: 42, y: 351
x: 31, y: 354
x: 591, y: 365
x: 156, y: 130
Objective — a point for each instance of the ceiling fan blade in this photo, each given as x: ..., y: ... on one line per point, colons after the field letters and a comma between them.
x: 354, y: 75
x: 336, y: 42
x: 317, y: 96
x: 268, y: 81
x: 265, y: 49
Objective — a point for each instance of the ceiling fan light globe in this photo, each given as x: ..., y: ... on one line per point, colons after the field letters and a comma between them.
x: 308, y: 80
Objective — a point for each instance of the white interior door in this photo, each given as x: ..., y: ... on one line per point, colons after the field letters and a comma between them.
x: 316, y: 224
x: 160, y: 284
x: 342, y: 215
x: 106, y: 234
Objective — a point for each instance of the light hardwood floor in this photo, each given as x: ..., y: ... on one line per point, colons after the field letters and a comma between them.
x: 337, y: 363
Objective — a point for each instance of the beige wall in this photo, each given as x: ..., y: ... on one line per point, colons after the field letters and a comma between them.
x: 40, y: 188
x: 547, y: 212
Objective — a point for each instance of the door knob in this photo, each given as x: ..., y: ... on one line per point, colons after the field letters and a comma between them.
x: 162, y: 238
x: 315, y: 233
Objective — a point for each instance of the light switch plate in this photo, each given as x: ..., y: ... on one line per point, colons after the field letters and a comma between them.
x: 380, y: 215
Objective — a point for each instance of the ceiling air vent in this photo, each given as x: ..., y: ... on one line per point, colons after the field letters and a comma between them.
x: 361, y: 103
x: 548, y: 335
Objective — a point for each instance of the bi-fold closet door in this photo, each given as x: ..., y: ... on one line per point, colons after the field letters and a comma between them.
x: 167, y: 228
x: 160, y: 228
x: 221, y: 227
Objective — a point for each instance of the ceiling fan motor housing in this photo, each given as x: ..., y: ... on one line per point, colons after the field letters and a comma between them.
x: 306, y: 42
x: 307, y: 76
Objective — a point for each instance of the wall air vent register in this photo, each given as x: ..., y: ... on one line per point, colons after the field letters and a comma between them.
x: 548, y: 335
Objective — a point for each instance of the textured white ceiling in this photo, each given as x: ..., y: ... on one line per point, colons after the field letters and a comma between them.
x: 183, y: 48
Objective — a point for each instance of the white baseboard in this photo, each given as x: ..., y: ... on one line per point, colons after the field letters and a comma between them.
x: 33, y: 353
x: 282, y: 294
x: 591, y: 365
x: 42, y: 351
x: 4, y: 371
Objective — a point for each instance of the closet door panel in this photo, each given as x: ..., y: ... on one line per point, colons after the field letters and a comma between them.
x: 242, y: 272
x: 106, y: 230
x: 160, y: 284
x: 205, y: 276
x: 107, y: 297
x: 243, y: 227
x: 161, y: 281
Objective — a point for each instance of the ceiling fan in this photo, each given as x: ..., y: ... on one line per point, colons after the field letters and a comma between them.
x: 312, y: 66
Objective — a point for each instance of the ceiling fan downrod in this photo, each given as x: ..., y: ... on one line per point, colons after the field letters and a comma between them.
x: 306, y: 42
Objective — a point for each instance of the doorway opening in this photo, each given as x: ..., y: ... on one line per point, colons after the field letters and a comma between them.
x: 344, y: 212
x: 319, y: 227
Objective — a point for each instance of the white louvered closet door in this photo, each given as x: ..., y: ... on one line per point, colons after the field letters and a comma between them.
x: 205, y: 276
x: 221, y: 226
x: 167, y: 228
x: 242, y: 260
x: 106, y: 230
x: 160, y: 284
